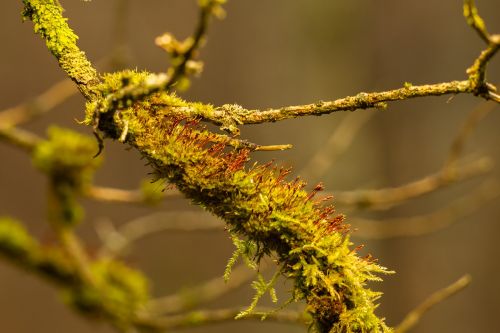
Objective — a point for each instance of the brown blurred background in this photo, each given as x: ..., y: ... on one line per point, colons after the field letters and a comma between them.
x: 267, y: 54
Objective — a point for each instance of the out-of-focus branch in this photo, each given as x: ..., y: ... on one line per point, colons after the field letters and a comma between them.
x: 389, y: 197
x: 429, y: 223
x: 336, y: 145
x: 120, y: 53
x: 450, y: 172
x: 116, y: 241
x: 109, y: 194
x: 197, y: 318
x: 19, y: 137
x: 204, y: 292
x: 439, y: 296
x: 468, y: 127
x: 48, y: 100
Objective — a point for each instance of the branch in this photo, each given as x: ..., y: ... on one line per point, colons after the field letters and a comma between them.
x: 388, y: 197
x: 429, y: 223
x: 468, y: 127
x: 116, y: 241
x: 61, y: 42
x: 48, y: 100
x: 197, y: 318
x: 439, y: 296
x: 449, y: 173
x: 203, y: 292
x: 19, y: 137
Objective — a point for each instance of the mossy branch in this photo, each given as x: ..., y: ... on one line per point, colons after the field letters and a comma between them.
x: 61, y: 42
x: 308, y: 239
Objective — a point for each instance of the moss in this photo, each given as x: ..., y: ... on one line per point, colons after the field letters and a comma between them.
x: 121, y: 290
x: 15, y: 241
x: 257, y: 203
x: 66, y: 157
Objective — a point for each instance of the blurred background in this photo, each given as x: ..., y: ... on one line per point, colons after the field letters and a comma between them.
x: 270, y: 54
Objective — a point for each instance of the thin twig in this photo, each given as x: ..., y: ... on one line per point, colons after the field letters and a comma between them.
x: 439, y: 296
x: 475, y: 21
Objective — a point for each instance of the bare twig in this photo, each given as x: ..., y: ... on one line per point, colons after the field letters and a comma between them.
x: 439, y: 296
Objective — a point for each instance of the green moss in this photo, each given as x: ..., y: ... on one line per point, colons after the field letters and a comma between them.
x: 15, y: 241
x: 309, y: 239
x: 66, y: 157
x: 121, y: 290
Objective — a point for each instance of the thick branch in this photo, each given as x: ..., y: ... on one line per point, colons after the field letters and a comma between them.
x: 61, y: 41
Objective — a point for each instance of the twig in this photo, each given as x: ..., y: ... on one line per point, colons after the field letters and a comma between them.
x: 475, y: 21
x: 477, y: 72
x: 429, y: 223
x: 109, y: 194
x: 439, y: 296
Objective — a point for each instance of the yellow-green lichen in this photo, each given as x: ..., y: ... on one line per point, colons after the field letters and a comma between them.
x: 60, y: 39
